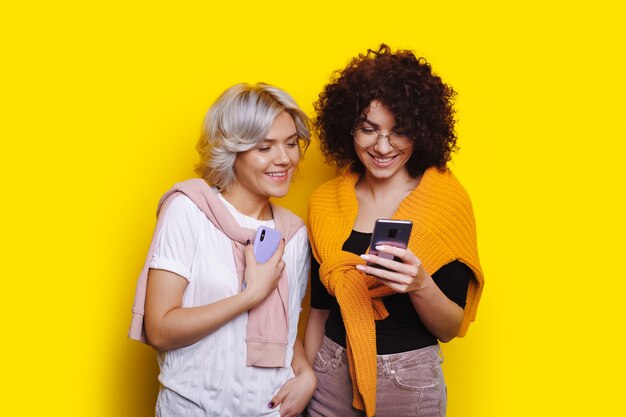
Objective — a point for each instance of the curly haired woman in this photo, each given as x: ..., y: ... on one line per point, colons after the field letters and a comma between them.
x: 373, y: 334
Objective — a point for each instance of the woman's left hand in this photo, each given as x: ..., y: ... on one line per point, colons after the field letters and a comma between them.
x: 295, y: 394
x: 403, y: 277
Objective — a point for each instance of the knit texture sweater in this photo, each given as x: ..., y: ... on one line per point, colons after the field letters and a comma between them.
x: 267, y: 328
x: 443, y: 231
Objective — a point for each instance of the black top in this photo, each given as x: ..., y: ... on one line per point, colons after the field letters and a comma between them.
x: 402, y: 330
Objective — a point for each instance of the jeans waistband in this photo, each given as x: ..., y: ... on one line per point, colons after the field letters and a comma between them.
x: 427, y: 354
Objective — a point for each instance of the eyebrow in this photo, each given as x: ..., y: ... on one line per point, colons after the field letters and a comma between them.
x: 292, y: 136
x: 366, y: 120
x: 376, y: 125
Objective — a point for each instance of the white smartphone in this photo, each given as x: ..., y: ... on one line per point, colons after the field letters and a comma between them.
x: 391, y: 233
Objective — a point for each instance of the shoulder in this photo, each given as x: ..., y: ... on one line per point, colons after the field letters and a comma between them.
x: 445, y: 192
x: 180, y: 218
x: 327, y: 187
x: 299, y: 242
x: 286, y: 214
x: 300, y: 239
x: 287, y: 221
x: 179, y: 206
x: 336, y: 194
x: 330, y: 188
x: 182, y: 195
x: 297, y: 250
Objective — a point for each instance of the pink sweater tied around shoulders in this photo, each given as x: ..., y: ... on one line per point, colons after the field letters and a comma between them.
x: 268, y: 322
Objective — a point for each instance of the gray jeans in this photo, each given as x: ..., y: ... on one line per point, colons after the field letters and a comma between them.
x: 409, y: 384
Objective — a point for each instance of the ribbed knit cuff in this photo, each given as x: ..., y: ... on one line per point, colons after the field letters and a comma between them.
x: 266, y: 354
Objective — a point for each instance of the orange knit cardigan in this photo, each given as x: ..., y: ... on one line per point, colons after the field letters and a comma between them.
x: 443, y: 231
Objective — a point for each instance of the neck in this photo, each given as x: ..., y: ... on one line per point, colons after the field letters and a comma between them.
x: 249, y: 204
x: 385, y: 189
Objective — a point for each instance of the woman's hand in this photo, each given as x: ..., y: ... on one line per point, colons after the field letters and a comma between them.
x: 441, y: 316
x: 407, y: 276
x: 261, y: 279
x: 170, y: 326
x: 295, y: 394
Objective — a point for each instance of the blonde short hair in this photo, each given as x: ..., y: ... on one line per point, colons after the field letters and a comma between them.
x: 238, y: 120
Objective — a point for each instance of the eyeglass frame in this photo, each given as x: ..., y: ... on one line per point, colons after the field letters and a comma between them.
x: 353, y: 132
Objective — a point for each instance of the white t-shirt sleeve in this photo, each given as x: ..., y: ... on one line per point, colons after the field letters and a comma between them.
x: 177, y: 239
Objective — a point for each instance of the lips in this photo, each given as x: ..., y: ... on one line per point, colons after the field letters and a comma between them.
x: 383, y: 162
x: 277, y: 176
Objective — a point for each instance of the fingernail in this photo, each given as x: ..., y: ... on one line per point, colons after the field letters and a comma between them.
x: 270, y: 405
x: 379, y: 248
x: 366, y: 257
x: 360, y: 267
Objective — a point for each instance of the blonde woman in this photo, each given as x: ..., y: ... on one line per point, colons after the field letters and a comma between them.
x: 223, y: 324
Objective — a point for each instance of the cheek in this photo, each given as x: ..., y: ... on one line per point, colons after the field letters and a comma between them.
x: 251, y: 162
x: 360, y: 153
x: 408, y: 153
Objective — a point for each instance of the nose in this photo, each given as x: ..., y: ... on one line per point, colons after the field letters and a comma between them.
x: 383, y: 143
x: 281, y: 157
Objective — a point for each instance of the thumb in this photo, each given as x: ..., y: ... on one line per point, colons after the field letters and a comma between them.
x: 248, y: 252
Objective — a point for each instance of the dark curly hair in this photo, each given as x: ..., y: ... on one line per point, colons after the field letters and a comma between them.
x: 421, y: 103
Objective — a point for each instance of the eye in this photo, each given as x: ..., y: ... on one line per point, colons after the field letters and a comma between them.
x: 264, y: 148
x: 292, y: 144
x: 367, y: 130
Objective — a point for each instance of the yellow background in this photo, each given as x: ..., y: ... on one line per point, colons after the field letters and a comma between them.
x: 101, y: 108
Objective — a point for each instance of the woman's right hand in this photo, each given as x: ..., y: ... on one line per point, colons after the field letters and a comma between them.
x: 261, y: 278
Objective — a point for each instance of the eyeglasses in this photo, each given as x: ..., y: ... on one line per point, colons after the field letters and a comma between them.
x: 367, y: 137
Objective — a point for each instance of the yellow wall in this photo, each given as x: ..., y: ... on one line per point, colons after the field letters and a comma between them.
x: 101, y: 107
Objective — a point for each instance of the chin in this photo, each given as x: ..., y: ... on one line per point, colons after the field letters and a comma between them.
x: 381, y: 174
x: 278, y: 192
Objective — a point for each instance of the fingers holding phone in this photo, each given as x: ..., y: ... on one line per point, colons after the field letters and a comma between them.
x: 397, y: 268
x: 264, y: 263
x: 392, y: 233
x: 390, y: 260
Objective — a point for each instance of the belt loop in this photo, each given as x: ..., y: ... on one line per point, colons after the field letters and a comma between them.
x: 338, y: 352
x: 386, y: 366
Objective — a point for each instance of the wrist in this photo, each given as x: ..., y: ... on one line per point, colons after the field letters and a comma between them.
x: 302, y: 368
x: 424, y: 285
x: 308, y: 375
x: 249, y: 299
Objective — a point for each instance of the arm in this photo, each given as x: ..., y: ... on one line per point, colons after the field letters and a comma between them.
x: 321, y: 303
x: 441, y: 316
x: 296, y: 393
x: 314, y: 333
x: 169, y: 325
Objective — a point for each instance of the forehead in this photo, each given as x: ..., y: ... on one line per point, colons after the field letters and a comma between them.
x: 283, y: 127
x: 379, y: 114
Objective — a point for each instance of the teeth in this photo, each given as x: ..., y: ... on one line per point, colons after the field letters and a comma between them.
x: 275, y: 174
x: 383, y: 160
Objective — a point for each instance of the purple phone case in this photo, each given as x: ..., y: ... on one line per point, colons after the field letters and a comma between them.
x: 265, y: 243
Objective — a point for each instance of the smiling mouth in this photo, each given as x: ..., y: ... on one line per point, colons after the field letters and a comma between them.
x: 383, y: 161
x: 276, y: 174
